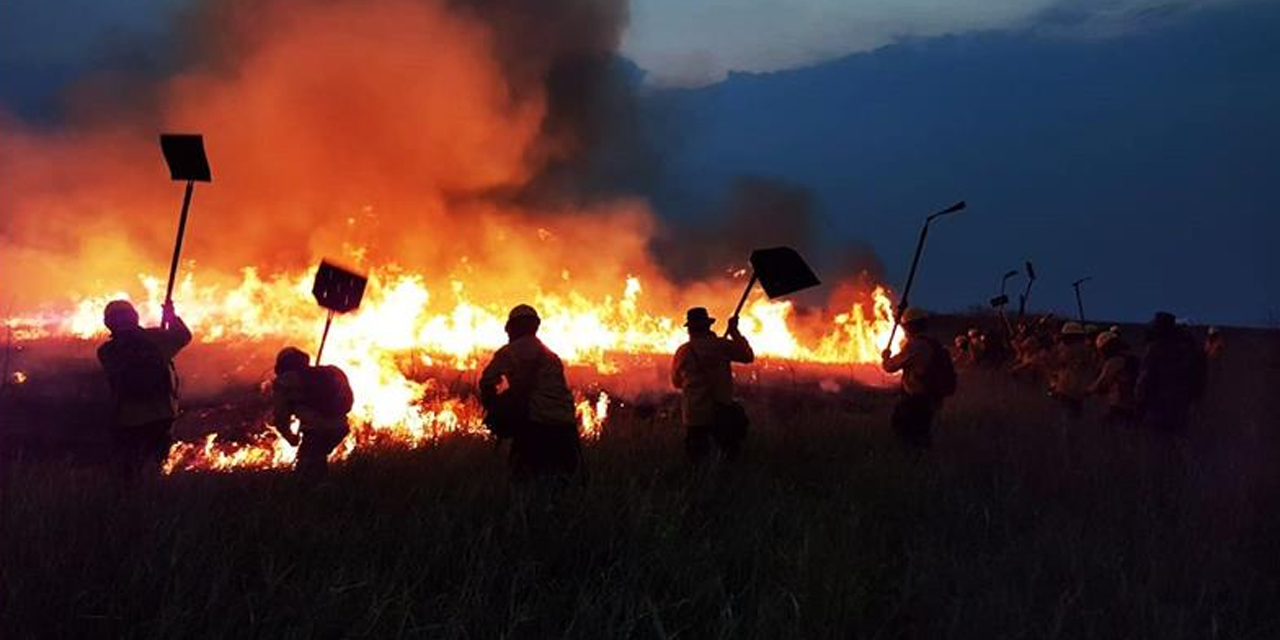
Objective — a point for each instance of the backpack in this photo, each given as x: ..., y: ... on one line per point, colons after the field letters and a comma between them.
x: 940, y: 376
x: 137, y: 369
x: 327, y: 391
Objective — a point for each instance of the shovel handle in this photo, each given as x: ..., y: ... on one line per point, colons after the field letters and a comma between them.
x: 177, y: 248
x: 328, y: 322
x: 745, y: 292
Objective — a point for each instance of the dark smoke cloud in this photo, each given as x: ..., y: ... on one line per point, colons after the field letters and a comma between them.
x: 761, y: 212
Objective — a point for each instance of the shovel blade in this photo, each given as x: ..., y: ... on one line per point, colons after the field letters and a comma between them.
x: 338, y: 289
x: 781, y: 271
x: 184, y: 153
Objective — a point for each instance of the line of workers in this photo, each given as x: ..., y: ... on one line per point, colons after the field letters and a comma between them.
x: 527, y: 398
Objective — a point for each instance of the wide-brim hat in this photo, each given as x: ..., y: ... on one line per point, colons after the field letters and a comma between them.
x: 698, y: 317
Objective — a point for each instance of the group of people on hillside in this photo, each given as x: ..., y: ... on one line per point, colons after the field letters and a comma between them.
x: 523, y: 390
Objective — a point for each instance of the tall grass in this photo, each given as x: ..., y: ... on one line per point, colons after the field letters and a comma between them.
x: 1012, y: 527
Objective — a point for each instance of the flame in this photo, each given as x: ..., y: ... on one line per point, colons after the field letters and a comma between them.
x: 402, y: 323
x: 391, y: 132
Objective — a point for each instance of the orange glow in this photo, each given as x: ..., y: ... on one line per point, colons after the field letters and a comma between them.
x: 398, y: 136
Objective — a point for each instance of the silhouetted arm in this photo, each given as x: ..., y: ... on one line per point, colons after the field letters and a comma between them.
x: 282, y: 411
x: 902, y: 359
x: 738, y: 349
x: 501, y: 366
x: 677, y: 366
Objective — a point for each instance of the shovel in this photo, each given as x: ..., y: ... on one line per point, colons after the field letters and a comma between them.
x: 1079, y: 300
x: 338, y: 291
x: 915, y: 263
x: 780, y: 271
x: 1026, y: 293
x: 184, y: 153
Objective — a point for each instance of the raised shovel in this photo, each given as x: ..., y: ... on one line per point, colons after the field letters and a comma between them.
x: 780, y: 271
x: 915, y: 263
x: 184, y: 153
x: 338, y: 291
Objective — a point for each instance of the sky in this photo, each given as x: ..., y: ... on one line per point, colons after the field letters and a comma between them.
x: 1130, y: 140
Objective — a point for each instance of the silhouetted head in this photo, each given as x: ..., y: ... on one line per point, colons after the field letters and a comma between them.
x: 1164, y: 324
x: 697, y: 320
x: 291, y: 359
x: 914, y: 321
x: 120, y: 316
x: 522, y: 321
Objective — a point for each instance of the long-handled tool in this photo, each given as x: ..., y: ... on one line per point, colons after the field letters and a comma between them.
x: 915, y: 263
x: 1026, y: 293
x: 337, y: 290
x: 780, y: 271
x: 1080, y: 301
x: 184, y: 153
x: 999, y: 302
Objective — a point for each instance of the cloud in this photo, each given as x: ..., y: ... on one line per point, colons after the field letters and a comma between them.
x: 682, y: 42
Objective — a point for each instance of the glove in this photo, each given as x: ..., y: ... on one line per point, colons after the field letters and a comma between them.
x: 884, y: 355
x: 733, y: 327
x: 167, y: 313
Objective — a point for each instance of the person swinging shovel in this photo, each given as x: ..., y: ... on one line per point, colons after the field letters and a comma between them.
x: 701, y: 369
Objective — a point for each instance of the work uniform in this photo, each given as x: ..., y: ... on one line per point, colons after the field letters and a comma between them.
x: 139, y: 367
x: 1116, y: 382
x: 913, y: 415
x: 1171, y: 379
x: 1073, y: 372
x: 302, y: 393
x: 546, y: 441
x: 702, y: 371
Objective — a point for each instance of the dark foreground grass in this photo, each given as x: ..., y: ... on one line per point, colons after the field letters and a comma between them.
x: 1010, y: 528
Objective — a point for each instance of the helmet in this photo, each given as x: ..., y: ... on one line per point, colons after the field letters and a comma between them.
x: 119, y: 315
x: 974, y: 333
x: 1072, y: 329
x: 1115, y: 328
x: 291, y: 359
x: 1213, y: 331
x: 912, y: 314
x: 962, y: 341
x: 1105, y: 338
x: 523, y: 311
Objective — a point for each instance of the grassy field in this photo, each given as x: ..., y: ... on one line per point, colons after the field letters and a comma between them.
x: 1012, y: 527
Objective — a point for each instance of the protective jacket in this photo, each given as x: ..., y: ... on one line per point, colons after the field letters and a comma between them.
x: 701, y: 370
x: 526, y: 363
x: 139, y: 367
x: 913, y: 361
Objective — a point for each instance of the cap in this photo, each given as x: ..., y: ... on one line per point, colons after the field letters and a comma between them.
x: 1105, y: 338
x: 119, y: 314
x: 522, y: 311
x: 291, y: 359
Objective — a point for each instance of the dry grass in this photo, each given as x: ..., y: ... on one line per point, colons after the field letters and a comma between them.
x: 1011, y: 528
